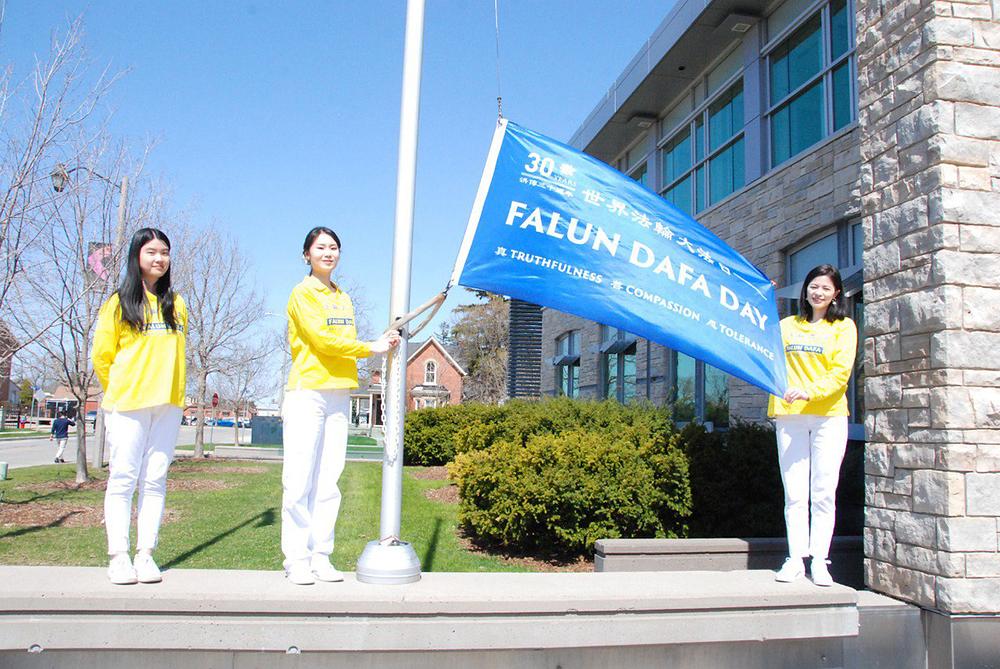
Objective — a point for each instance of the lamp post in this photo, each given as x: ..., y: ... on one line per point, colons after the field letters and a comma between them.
x: 60, y: 177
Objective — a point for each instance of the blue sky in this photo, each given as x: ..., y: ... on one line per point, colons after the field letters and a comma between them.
x: 271, y: 117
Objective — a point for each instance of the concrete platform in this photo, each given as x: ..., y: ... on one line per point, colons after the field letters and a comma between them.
x: 51, y: 610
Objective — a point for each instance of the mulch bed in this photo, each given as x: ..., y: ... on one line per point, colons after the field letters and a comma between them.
x: 580, y: 564
x: 40, y: 514
x: 430, y: 473
x: 172, y: 484
x: 448, y: 494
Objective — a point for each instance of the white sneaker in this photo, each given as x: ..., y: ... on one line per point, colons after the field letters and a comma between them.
x: 121, y: 571
x: 819, y: 572
x: 300, y: 574
x: 792, y: 570
x: 146, y: 570
x: 324, y: 571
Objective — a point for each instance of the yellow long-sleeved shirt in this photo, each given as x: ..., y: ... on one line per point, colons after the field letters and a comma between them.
x: 323, y: 338
x: 140, y: 369
x: 820, y: 358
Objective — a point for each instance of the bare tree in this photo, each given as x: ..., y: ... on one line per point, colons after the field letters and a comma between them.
x: 63, y: 277
x: 224, y: 306
x: 246, y: 376
x: 41, y: 117
x: 481, y: 335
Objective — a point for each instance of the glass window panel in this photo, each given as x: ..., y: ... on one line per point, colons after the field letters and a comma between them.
x: 819, y: 252
x: 680, y: 195
x: 784, y: 15
x: 798, y: 124
x: 640, y: 175
x: 678, y: 113
x: 842, y: 99
x: 716, y: 396
x: 611, y: 376
x: 726, y: 172
x: 797, y: 59
x: 725, y: 117
x: 840, y: 36
x: 677, y: 156
x: 725, y: 70
x: 628, y: 374
x: 684, y: 388
x: 699, y: 139
x: 700, y: 189
x: 575, y: 373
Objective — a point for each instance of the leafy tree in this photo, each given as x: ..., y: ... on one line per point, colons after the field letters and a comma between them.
x: 481, y: 336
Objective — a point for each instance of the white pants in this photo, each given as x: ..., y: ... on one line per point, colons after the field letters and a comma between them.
x: 810, y: 450
x: 142, y: 447
x: 315, y: 446
x: 60, y: 447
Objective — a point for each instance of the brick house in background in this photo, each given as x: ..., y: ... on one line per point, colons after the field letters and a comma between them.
x: 433, y: 377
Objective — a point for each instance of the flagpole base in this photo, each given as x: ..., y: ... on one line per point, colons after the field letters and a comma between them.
x: 392, y: 563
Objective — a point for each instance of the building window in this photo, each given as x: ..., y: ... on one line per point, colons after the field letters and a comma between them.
x: 842, y: 249
x: 699, y: 391
x: 430, y: 373
x: 703, y: 162
x: 811, y: 80
x: 617, y: 364
x: 567, y: 363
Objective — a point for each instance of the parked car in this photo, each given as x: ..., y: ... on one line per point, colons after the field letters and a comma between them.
x: 224, y: 422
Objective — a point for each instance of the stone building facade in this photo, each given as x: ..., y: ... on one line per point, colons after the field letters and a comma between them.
x: 866, y: 134
x: 929, y: 75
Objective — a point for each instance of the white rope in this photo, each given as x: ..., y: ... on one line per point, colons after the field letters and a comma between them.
x: 496, y: 21
x: 390, y: 437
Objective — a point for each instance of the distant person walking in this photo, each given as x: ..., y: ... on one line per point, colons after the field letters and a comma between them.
x: 316, y: 410
x: 820, y: 346
x: 139, y: 359
x: 60, y: 431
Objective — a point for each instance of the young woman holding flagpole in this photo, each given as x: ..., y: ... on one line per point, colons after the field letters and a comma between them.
x: 811, y: 419
x: 316, y: 409
x: 138, y: 357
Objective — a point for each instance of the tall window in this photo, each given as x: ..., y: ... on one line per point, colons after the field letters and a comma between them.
x: 810, y: 80
x: 842, y: 249
x: 430, y: 373
x: 703, y: 161
x: 699, y: 391
x: 617, y: 364
x: 567, y: 363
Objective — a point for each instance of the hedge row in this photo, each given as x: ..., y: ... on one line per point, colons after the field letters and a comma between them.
x: 554, y: 476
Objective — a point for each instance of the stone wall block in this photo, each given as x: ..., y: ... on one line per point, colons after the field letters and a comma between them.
x: 929, y: 240
x: 957, y: 458
x: 878, y: 459
x: 915, y: 346
x: 952, y: 565
x: 914, y: 456
x: 957, y: 267
x: 881, y: 544
x: 972, y: 11
x: 975, y: 178
x: 880, y: 260
x: 979, y: 238
x: 988, y: 457
x: 925, y: 122
x: 890, y: 426
x: 914, y: 398
x: 917, y: 529
x: 983, y: 565
x: 937, y: 492
x: 972, y: 350
x: 885, y: 519
x: 951, y: 407
x: 982, y: 310
x: 916, y: 557
x: 932, y: 309
x: 957, y: 151
x: 881, y: 317
x: 962, y: 83
x: 911, y: 585
x: 967, y: 534
x: 951, y: 31
x: 983, y: 494
x: 919, y: 417
x: 883, y: 391
x: 968, y: 595
x: 987, y: 35
x: 986, y: 407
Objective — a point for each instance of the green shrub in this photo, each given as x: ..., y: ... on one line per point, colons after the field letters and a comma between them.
x: 552, y: 477
x: 429, y: 434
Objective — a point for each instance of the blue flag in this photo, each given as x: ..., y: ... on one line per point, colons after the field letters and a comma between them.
x: 559, y: 228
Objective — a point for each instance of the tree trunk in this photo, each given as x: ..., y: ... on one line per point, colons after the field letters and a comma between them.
x: 236, y: 424
x: 199, y: 428
x: 82, y: 475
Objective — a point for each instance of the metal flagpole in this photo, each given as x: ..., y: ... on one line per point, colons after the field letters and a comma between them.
x: 390, y: 560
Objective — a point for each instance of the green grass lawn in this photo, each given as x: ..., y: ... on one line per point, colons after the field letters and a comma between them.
x: 226, y: 515
x: 352, y: 440
x: 23, y: 434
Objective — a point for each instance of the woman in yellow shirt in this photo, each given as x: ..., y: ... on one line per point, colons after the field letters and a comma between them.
x: 316, y: 410
x: 811, y: 420
x: 138, y: 357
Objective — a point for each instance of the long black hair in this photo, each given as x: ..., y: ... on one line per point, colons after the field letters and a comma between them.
x: 311, y: 237
x: 132, y: 292
x: 836, y: 311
